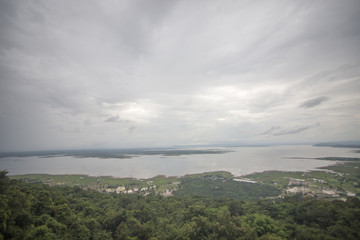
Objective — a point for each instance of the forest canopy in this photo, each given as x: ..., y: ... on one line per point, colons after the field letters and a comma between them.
x: 38, y: 211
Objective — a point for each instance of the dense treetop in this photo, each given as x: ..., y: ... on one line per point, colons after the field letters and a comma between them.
x: 37, y: 211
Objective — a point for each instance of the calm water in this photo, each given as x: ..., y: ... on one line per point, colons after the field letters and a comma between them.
x: 243, y: 160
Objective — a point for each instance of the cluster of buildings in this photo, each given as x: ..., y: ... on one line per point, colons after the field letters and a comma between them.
x: 127, y: 190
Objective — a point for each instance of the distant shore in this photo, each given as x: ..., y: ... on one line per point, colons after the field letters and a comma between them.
x: 334, y: 181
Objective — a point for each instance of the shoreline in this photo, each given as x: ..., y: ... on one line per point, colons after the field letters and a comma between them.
x: 337, y: 180
x: 333, y: 161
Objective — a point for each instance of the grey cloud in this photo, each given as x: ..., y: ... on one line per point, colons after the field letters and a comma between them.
x: 131, y: 129
x: 342, y: 72
x: 113, y: 119
x: 314, y: 102
x: 135, y: 33
x: 279, y: 131
x: 272, y: 130
x: 60, y: 61
x: 116, y: 118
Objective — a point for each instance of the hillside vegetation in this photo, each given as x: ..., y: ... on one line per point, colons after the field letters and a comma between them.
x: 38, y: 211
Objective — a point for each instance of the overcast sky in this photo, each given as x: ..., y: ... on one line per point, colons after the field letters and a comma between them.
x: 105, y: 74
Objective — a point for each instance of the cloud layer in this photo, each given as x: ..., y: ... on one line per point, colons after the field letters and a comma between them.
x: 314, y: 102
x: 160, y: 73
x: 278, y: 131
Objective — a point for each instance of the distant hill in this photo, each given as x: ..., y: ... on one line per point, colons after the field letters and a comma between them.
x: 347, y: 144
x: 113, y: 153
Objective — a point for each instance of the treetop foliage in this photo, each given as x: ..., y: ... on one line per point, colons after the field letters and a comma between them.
x: 37, y: 211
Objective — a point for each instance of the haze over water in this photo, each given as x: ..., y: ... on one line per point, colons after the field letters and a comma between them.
x: 240, y: 161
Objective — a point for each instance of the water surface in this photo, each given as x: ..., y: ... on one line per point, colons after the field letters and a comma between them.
x: 239, y: 161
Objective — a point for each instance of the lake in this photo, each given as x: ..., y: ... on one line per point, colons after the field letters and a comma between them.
x: 239, y: 161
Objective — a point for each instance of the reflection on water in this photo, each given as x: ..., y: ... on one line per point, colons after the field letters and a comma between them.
x: 242, y: 160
